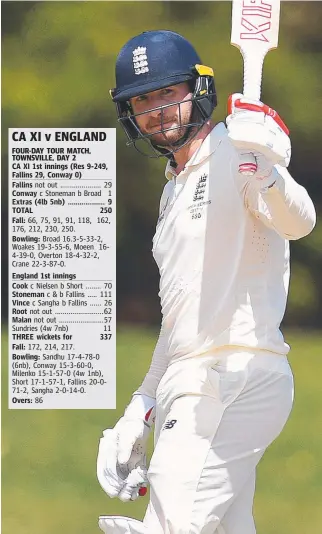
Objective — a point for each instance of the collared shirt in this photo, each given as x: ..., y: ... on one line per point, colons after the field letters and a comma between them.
x: 205, y: 150
x: 222, y: 248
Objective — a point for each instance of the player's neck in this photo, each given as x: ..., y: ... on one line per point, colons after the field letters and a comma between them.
x: 185, y: 153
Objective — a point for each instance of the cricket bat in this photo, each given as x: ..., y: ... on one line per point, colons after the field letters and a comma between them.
x: 254, y: 31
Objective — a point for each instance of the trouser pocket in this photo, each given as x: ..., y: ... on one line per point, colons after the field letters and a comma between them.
x: 226, y: 385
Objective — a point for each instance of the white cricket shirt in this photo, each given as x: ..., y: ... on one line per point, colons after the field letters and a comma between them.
x: 221, y: 245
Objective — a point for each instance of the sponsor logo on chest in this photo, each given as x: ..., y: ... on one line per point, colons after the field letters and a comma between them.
x: 200, y: 188
x: 199, y: 199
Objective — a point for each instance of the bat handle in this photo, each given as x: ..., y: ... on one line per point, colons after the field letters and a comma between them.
x: 253, y: 70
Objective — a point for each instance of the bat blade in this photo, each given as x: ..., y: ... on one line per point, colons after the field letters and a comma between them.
x: 255, y: 25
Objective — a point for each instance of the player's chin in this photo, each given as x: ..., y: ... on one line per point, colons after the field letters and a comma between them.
x: 166, y: 138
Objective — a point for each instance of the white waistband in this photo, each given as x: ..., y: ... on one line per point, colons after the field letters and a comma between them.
x: 237, y: 358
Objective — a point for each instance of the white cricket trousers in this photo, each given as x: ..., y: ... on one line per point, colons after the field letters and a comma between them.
x: 215, y: 417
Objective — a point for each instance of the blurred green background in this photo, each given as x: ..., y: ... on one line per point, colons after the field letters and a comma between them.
x: 57, y: 67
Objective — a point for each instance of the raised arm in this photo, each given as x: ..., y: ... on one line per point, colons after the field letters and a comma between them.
x: 263, y: 152
x: 283, y: 204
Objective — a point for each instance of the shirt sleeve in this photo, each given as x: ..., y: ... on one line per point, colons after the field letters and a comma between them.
x: 284, y: 206
x: 160, y: 360
x: 166, y: 194
x: 158, y: 366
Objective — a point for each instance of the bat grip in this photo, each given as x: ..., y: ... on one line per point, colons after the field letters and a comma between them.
x: 253, y: 70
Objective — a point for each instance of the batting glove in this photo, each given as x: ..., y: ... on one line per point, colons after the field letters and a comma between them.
x: 259, y: 135
x: 121, y: 461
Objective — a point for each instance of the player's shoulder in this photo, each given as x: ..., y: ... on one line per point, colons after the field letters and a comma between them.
x: 222, y: 147
x: 225, y: 140
x: 168, y: 187
x: 166, y: 193
x: 219, y: 138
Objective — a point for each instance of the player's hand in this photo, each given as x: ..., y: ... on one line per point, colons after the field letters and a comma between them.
x: 119, y: 480
x: 255, y: 128
x: 121, y: 461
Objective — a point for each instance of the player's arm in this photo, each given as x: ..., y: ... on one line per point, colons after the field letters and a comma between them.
x: 263, y: 151
x: 159, y: 361
x: 121, y: 461
x: 157, y: 368
x: 283, y: 205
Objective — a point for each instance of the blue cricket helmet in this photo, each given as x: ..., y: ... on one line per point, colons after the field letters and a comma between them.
x: 154, y: 60
x: 151, y: 61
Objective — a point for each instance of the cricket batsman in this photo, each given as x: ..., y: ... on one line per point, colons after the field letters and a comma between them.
x: 219, y: 387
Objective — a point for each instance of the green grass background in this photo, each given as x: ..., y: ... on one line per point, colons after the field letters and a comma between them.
x: 49, y: 456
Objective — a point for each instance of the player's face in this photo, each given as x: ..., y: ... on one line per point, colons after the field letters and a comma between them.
x: 167, y: 109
